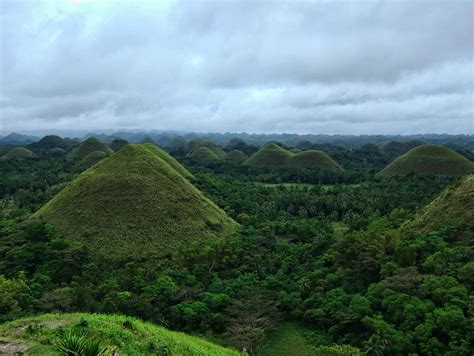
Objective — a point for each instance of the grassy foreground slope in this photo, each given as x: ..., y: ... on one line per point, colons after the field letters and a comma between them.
x: 454, y: 207
x: 429, y: 160
x: 134, y: 203
x: 313, y: 159
x: 124, y: 335
x: 269, y: 156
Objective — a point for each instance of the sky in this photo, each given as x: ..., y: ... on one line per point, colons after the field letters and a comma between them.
x: 319, y: 67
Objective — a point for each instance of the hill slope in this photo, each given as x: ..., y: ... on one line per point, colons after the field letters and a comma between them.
x: 429, y: 160
x: 203, y: 155
x: 235, y: 156
x: 454, y: 207
x: 269, y: 156
x: 168, y: 159
x: 313, y: 159
x: 88, y: 146
x: 19, y: 153
x: 132, y: 204
x: 117, y: 144
x: 125, y: 335
x: 197, y: 143
x: 50, y: 141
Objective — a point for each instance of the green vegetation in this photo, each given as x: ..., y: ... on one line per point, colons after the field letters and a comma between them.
x: 88, y: 146
x: 50, y: 141
x: 429, y: 160
x: 135, y: 203
x: 295, y: 150
x: 117, y: 144
x: 19, y: 153
x: 326, y: 263
x: 55, y: 152
x: 148, y: 140
x: 312, y: 159
x: 269, y: 156
x: 177, y: 143
x: 92, y: 158
x: 168, y: 159
x: 198, y: 143
x: 49, y: 333
x: 202, y: 155
x: 235, y: 156
x: 454, y: 208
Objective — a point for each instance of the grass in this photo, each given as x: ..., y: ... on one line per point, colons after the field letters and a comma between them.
x: 197, y: 143
x: 286, y: 340
x: 88, y: 146
x: 313, y: 159
x: 19, y: 153
x: 429, y: 160
x: 41, y: 335
x: 92, y: 158
x: 269, y: 156
x: 117, y: 144
x: 168, y: 159
x: 235, y: 156
x: 134, y: 203
x: 454, y: 207
x: 203, y: 155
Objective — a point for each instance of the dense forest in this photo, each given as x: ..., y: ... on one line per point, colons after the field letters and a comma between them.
x: 332, y: 257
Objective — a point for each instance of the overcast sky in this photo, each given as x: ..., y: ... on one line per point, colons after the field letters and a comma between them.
x: 343, y: 67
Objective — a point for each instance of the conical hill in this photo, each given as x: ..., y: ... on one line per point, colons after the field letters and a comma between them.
x: 135, y: 203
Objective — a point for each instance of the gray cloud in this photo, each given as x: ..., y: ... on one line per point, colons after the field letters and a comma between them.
x: 325, y: 67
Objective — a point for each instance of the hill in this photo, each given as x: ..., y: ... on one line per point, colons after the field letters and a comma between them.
x: 117, y: 144
x: 88, y: 146
x: 124, y: 335
x: 19, y: 153
x: 148, y: 139
x: 235, y: 156
x: 197, y: 143
x: 56, y: 152
x: 92, y: 158
x: 454, y: 207
x: 429, y: 160
x: 134, y: 203
x: 177, y: 143
x: 203, y: 155
x: 269, y: 156
x: 50, y: 141
x: 313, y: 159
x: 395, y: 148
x: 168, y: 159
x: 17, y: 139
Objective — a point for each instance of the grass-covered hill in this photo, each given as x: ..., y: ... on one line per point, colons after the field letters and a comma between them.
x: 235, y: 156
x: 202, y: 155
x: 90, y: 145
x: 429, y: 160
x: 135, y: 203
x: 168, y: 159
x: 313, y: 159
x: 19, y: 153
x: 118, y: 335
x: 454, y: 208
x: 269, y: 156
x: 92, y: 158
x: 177, y: 143
x: 197, y: 143
x: 117, y: 144
x: 148, y: 139
x: 395, y: 148
x: 50, y: 141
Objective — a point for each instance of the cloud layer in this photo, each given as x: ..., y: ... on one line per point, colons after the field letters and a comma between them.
x: 319, y: 67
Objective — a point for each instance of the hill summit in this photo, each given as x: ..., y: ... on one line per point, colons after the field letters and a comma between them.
x: 19, y: 153
x: 269, y: 156
x: 429, y: 160
x: 314, y: 159
x: 88, y: 146
x: 133, y: 203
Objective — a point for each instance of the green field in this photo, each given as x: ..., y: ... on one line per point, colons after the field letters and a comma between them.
x: 288, y: 339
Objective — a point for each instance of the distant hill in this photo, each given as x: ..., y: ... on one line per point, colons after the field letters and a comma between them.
x: 122, y: 335
x: 88, y: 146
x: 235, y: 156
x: 135, y: 203
x: 19, y: 153
x: 117, y: 144
x: 313, y: 159
x: 197, y: 143
x: 17, y: 139
x: 203, y: 155
x: 177, y: 143
x: 269, y: 156
x: 50, y: 141
x: 148, y: 139
x: 454, y: 207
x: 429, y: 160
x: 394, y: 148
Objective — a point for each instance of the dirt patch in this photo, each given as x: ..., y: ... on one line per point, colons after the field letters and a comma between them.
x: 12, y: 347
